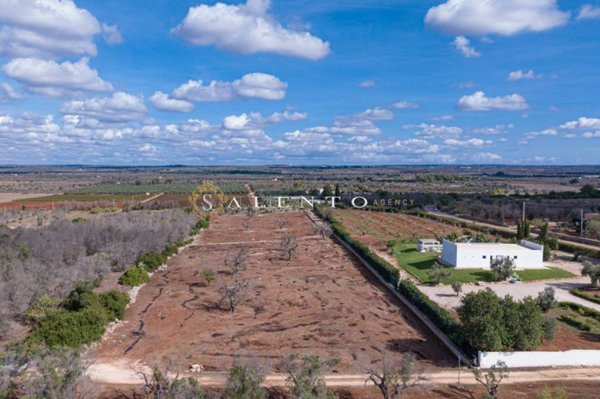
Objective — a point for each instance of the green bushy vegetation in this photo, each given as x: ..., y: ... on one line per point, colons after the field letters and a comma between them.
x: 80, y: 319
x: 134, y: 276
x: 492, y: 323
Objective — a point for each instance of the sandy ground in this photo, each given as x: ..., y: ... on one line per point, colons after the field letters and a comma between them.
x: 321, y: 302
x: 578, y: 382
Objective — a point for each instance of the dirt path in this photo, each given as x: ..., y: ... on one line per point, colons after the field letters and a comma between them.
x: 120, y: 373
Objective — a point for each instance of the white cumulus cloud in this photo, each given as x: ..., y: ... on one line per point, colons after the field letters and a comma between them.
x: 46, y: 29
x: 589, y: 11
x: 120, y: 107
x: 163, y: 102
x: 521, y: 75
x: 111, y: 34
x: 252, y: 85
x: 582, y: 123
x: 247, y: 28
x: 463, y: 45
x: 495, y: 17
x: 54, y: 79
x: 8, y: 93
x: 478, y: 101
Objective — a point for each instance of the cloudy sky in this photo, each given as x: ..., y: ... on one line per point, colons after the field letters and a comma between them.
x: 299, y: 82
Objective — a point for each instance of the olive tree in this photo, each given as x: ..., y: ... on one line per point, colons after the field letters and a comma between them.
x: 244, y: 382
x: 592, y: 271
x: 491, y: 379
x: 393, y: 378
x: 306, y: 376
x: 238, y: 261
x: 232, y: 295
x: 502, y: 267
x: 289, y: 245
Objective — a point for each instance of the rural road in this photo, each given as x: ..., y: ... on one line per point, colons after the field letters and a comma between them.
x: 119, y: 373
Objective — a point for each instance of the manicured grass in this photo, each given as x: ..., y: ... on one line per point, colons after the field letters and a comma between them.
x: 419, y: 264
x: 544, y: 274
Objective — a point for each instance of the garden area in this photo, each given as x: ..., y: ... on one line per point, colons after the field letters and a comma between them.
x: 421, y: 264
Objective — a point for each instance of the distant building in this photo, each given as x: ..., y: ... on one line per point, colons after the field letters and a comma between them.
x: 429, y: 245
x: 526, y: 255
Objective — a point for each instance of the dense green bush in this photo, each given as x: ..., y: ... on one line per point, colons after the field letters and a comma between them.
x: 134, y: 276
x: 492, y: 323
x: 81, y: 318
x: 151, y: 261
x: 114, y: 302
x: 203, y: 223
x: 582, y: 310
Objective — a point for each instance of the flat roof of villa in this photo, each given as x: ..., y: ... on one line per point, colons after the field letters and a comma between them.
x: 493, y: 246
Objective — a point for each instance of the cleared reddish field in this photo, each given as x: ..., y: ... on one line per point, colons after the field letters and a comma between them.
x: 376, y: 228
x: 321, y: 302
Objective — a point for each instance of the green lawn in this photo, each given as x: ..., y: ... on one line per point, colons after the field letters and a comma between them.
x: 544, y: 274
x: 419, y: 264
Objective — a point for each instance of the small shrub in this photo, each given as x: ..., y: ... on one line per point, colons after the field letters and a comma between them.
x: 134, y: 276
x: 208, y: 276
x: 551, y: 327
x: 152, y: 261
x: 580, y: 325
x: 115, y: 303
x: 40, y: 309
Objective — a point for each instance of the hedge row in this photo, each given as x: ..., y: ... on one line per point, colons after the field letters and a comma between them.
x: 582, y: 310
x: 80, y: 319
x: 586, y: 296
x: 438, y: 315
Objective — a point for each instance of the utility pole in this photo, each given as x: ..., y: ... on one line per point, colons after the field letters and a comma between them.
x: 523, y: 211
x: 581, y: 224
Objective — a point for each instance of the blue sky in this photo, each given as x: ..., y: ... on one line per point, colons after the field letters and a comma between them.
x: 299, y: 82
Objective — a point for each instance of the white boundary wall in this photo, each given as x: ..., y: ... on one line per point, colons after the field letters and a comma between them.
x: 541, y: 359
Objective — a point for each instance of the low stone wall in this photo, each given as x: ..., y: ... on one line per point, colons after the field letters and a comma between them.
x: 541, y: 359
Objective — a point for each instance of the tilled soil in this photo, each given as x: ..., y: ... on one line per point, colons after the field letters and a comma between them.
x: 321, y: 302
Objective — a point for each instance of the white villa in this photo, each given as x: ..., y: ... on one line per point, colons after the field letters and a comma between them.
x: 471, y: 255
x: 429, y: 245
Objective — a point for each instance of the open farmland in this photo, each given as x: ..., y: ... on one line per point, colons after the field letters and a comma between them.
x: 377, y: 228
x: 322, y: 301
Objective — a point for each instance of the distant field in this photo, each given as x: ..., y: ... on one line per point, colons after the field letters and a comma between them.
x: 141, y: 189
x: 89, y: 198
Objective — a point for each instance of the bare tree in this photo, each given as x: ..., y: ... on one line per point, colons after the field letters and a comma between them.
x: 56, y: 374
x: 233, y: 295
x: 289, y: 245
x: 238, y: 261
x: 492, y: 379
x: 282, y: 223
x: 394, y: 378
x: 158, y: 385
x: 323, y: 230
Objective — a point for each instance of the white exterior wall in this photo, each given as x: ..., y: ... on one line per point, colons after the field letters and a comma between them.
x: 449, y: 253
x: 541, y: 359
x: 477, y: 255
